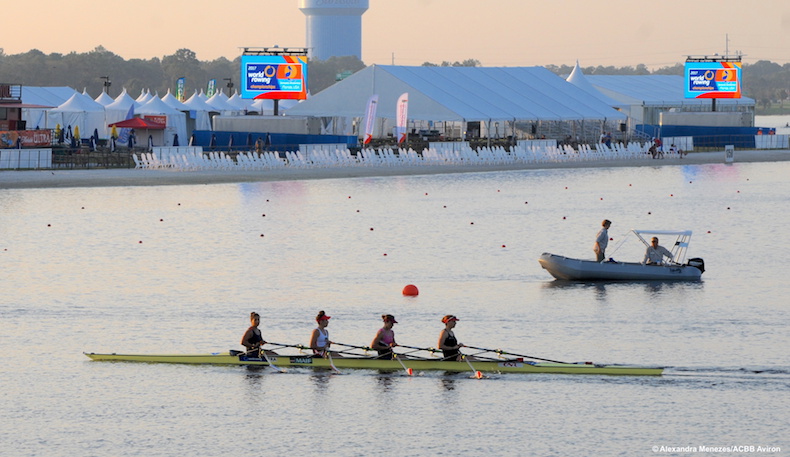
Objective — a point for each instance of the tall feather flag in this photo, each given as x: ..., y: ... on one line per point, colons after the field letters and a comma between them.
x: 123, y: 135
x: 370, y: 118
x: 403, y: 116
x: 180, y: 88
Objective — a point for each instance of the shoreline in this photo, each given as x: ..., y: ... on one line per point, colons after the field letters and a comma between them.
x: 123, y: 177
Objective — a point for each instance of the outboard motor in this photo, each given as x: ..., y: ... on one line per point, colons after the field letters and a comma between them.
x: 697, y: 263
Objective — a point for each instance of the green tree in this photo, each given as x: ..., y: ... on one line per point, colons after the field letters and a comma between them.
x: 183, y: 63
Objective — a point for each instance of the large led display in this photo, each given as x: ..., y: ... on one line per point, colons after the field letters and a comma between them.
x: 274, y: 77
x: 713, y: 80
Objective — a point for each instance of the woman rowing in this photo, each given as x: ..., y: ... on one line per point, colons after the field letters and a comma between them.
x: 385, y: 338
x: 319, y: 341
x: 252, y: 339
x: 448, y: 344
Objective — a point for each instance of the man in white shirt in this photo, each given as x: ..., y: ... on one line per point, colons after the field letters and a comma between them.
x: 654, y: 255
x: 602, y: 240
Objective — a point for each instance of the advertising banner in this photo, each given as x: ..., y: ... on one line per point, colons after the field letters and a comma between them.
x: 713, y: 80
x: 274, y: 77
x: 403, y: 117
x: 180, y: 89
x: 27, y: 138
x: 370, y: 118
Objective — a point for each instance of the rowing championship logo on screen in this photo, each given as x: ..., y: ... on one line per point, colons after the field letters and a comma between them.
x: 274, y: 77
x: 713, y: 80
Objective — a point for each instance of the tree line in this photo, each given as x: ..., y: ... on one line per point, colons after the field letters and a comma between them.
x: 765, y: 81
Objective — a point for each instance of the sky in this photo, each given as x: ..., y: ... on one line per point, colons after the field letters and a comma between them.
x: 411, y: 32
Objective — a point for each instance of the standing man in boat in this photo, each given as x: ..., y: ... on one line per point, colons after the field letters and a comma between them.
x: 385, y: 338
x: 654, y: 254
x: 252, y: 339
x: 319, y: 340
x: 602, y: 240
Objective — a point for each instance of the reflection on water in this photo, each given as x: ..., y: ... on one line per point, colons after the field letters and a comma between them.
x: 321, y: 380
x: 653, y: 289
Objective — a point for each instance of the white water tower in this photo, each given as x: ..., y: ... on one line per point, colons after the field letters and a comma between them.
x: 334, y: 27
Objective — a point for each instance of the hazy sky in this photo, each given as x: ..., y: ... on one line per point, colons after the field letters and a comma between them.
x: 495, y: 32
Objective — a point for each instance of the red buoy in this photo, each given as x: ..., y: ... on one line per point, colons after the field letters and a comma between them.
x: 411, y: 290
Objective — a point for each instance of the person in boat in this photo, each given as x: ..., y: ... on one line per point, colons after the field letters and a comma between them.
x: 602, y: 240
x: 654, y: 255
x: 319, y: 341
x: 448, y: 344
x: 385, y: 338
x: 252, y: 339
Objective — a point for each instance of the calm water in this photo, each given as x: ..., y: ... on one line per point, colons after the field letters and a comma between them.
x: 178, y: 269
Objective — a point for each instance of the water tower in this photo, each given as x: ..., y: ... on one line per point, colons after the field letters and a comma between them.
x: 334, y: 27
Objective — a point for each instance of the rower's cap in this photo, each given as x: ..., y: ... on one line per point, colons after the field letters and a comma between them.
x: 449, y: 318
x: 389, y: 318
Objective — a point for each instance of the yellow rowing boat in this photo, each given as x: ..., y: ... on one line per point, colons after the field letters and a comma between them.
x: 505, y: 365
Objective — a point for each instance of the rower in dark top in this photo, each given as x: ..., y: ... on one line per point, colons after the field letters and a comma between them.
x: 252, y: 339
x: 384, y: 340
x: 447, y: 342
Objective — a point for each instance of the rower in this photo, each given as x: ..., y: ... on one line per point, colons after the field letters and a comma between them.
x: 252, y: 339
x: 385, y: 338
x: 319, y: 341
x: 448, y: 344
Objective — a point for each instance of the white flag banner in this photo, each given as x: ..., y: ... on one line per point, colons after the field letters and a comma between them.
x: 403, y: 116
x: 370, y: 118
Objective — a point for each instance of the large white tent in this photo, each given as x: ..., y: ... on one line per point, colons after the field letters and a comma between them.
x: 200, y: 111
x: 46, y: 98
x: 120, y: 109
x: 176, y: 120
x: 459, y: 94
x: 78, y: 111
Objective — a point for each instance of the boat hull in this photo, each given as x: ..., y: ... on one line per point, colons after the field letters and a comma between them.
x: 570, y: 269
x: 497, y: 366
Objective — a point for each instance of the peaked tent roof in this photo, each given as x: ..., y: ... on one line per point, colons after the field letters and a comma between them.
x: 578, y: 79
x: 653, y: 90
x: 459, y: 93
x: 79, y: 103
x: 104, y: 99
x: 171, y: 101
x: 197, y: 103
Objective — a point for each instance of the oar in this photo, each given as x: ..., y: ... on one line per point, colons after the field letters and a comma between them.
x: 364, y: 348
x: 476, y: 374
x: 500, y: 351
x: 408, y: 370
x: 431, y: 350
x: 297, y: 346
x: 332, y: 364
x: 266, y: 357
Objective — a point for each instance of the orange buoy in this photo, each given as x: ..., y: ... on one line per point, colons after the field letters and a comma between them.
x: 411, y: 290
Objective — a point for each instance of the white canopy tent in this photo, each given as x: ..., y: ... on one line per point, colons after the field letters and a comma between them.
x: 200, y: 111
x: 119, y: 109
x: 239, y: 103
x: 219, y: 101
x: 45, y: 97
x: 176, y: 120
x: 104, y: 99
x: 79, y: 111
x: 171, y: 101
